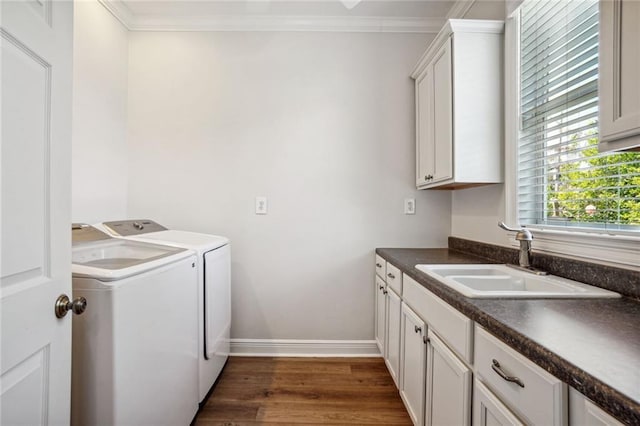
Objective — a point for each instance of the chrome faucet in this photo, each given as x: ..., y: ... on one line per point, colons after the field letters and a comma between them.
x: 525, y: 237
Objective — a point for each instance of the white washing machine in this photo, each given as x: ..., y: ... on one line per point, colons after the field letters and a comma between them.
x: 135, y: 359
x: 214, y: 288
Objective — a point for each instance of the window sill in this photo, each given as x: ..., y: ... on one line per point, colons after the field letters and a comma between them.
x: 617, y: 250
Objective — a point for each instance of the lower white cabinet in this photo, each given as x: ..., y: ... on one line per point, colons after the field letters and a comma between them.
x: 583, y: 412
x: 488, y: 410
x: 533, y: 394
x: 392, y: 346
x: 381, y: 313
x: 448, y: 395
x: 413, y: 364
x: 438, y: 359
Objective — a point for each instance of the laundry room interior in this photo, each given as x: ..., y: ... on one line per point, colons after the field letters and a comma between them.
x: 188, y: 128
x: 283, y: 134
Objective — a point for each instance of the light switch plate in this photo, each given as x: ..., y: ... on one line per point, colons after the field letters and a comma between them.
x: 409, y: 206
x: 261, y: 205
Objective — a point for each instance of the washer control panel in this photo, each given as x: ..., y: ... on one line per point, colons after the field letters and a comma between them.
x: 125, y: 228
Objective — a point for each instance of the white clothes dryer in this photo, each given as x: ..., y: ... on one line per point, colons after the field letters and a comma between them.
x: 135, y: 358
x: 214, y: 288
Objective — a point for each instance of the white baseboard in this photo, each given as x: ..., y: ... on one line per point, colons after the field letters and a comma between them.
x: 304, y: 348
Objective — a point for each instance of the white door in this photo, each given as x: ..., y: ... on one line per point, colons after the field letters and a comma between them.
x: 35, y: 221
x: 413, y: 364
x: 448, y: 386
x: 488, y: 410
x: 380, y: 314
x: 393, y: 334
x: 425, y: 149
x: 443, y: 114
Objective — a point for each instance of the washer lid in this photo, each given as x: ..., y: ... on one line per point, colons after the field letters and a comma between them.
x: 114, y: 259
x: 193, y: 240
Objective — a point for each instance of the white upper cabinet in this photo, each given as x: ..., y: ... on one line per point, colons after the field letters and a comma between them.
x: 459, y: 112
x: 434, y: 146
x: 619, y: 85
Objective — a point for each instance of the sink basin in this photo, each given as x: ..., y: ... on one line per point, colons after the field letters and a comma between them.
x: 494, y: 281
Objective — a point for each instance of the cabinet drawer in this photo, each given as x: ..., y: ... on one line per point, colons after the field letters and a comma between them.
x: 452, y: 326
x: 381, y: 267
x: 539, y: 398
x: 394, y: 278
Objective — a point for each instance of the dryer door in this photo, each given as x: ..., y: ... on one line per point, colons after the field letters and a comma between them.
x: 217, y: 302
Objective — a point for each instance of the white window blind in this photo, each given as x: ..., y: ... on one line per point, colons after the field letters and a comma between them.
x: 562, y: 179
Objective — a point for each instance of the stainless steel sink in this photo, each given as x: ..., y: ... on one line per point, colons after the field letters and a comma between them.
x: 495, y: 281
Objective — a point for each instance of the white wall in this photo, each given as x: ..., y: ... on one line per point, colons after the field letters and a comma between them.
x: 475, y: 212
x: 320, y: 123
x: 487, y: 9
x: 99, y: 164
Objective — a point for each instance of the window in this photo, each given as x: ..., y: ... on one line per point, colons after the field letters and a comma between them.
x: 562, y: 179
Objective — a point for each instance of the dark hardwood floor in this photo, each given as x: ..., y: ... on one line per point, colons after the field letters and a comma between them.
x: 337, y: 391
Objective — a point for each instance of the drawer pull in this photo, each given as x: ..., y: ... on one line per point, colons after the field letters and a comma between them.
x: 390, y: 275
x: 385, y: 291
x: 512, y: 379
x: 417, y: 329
x: 426, y: 339
x: 378, y: 265
x: 381, y: 287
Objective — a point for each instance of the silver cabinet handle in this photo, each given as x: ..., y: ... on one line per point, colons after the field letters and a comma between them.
x: 417, y: 329
x: 378, y: 265
x: 390, y: 275
x: 513, y: 379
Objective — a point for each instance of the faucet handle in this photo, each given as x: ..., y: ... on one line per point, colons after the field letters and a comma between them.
x: 507, y: 228
x: 522, y: 234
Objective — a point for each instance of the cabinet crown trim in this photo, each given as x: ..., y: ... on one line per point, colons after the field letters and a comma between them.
x: 452, y: 26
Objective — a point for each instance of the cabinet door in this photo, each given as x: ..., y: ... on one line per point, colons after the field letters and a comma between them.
x: 583, y: 412
x: 380, y: 317
x: 442, y: 114
x: 448, y: 397
x: 392, y: 358
x: 619, y: 86
x: 424, y: 128
x: 413, y: 364
x: 488, y: 410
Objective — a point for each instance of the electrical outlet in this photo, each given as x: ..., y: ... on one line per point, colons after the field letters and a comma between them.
x: 261, y: 205
x: 409, y: 206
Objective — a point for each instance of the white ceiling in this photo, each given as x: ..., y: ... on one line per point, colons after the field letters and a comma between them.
x: 292, y: 15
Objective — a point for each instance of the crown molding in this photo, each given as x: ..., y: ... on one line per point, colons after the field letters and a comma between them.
x: 459, y: 9
x: 120, y: 11
x: 286, y: 23
x: 271, y: 23
x: 477, y: 26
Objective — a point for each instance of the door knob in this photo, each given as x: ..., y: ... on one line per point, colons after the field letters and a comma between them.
x: 64, y: 305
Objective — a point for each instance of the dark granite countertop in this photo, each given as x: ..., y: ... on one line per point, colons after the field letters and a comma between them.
x: 591, y: 344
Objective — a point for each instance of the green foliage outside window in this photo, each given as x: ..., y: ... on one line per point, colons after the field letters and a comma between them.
x: 596, y: 188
